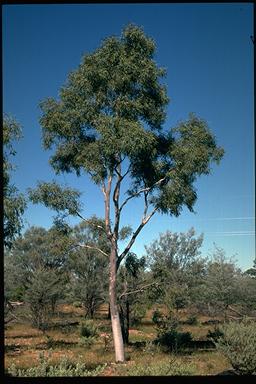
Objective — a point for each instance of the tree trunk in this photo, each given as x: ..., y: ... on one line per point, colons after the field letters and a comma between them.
x: 124, y: 324
x: 115, y: 319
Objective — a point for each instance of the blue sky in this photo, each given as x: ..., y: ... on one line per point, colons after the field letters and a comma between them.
x: 208, y: 54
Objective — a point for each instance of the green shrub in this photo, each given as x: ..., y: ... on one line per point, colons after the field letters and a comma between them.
x: 138, y: 314
x: 192, y: 320
x: 87, y: 341
x: 88, y: 333
x: 171, y: 368
x: 215, y: 334
x: 165, y: 322
x: 63, y: 369
x: 157, y: 317
x: 88, y: 329
x: 77, y: 304
x: 174, y: 340
x: 238, y: 344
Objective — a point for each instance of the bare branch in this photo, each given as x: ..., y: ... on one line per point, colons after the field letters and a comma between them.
x: 92, y: 247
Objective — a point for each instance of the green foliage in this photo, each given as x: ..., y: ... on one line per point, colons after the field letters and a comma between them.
x: 220, y: 287
x: 60, y: 199
x: 88, y: 267
x: 176, y: 266
x: 65, y: 368
x: 173, y: 340
x: 44, y: 290
x: 171, y: 368
x: 111, y: 108
x: 14, y: 202
x: 88, y: 333
x: 192, y: 320
x: 157, y: 317
x: 238, y: 344
x: 215, y: 334
x: 88, y: 329
x: 138, y: 313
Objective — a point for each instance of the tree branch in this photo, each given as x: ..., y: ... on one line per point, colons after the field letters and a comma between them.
x: 89, y: 221
x: 92, y: 247
x: 135, y: 234
x: 148, y: 189
x: 141, y: 289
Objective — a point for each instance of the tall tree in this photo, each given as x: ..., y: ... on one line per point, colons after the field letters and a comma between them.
x: 108, y: 124
x: 14, y: 202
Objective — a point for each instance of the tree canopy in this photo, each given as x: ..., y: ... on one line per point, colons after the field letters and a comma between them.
x: 14, y: 202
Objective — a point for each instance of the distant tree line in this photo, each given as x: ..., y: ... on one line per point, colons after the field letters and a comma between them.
x: 46, y: 267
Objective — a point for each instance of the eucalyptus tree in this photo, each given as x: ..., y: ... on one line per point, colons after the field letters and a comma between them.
x: 14, y: 202
x: 108, y: 123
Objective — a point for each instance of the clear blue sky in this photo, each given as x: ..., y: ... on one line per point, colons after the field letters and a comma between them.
x: 208, y: 54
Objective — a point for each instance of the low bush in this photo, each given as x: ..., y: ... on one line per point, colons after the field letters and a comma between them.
x: 192, y: 320
x: 215, y: 334
x: 173, y: 340
x: 88, y: 333
x: 63, y: 369
x: 157, y: 317
x: 88, y: 329
x: 171, y: 368
x: 238, y: 344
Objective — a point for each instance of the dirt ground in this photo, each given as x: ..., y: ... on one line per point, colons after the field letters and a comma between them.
x: 24, y: 344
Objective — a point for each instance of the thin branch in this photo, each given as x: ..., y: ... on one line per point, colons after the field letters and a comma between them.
x: 91, y: 247
x: 89, y: 221
x: 135, y: 234
x: 148, y: 189
x: 141, y: 289
x: 146, y: 205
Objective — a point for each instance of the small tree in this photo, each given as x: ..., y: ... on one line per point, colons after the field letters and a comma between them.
x: 88, y: 267
x: 38, y: 260
x: 221, y: 287
x: 108, y: 124
x: 173, y: 260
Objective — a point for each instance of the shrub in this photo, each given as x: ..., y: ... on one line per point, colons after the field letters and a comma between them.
x: 137, y: 315
x: 238, y: 344
x: 174, y: 340
x: 77, y: 304
x: 63, y: 369
x: 215, y: 334
x: 171, y: 368
x: 157, y: 317
x: 88, y: 329
x: 88, y: 333
x: 165, y: 322
x: 192, y: 320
